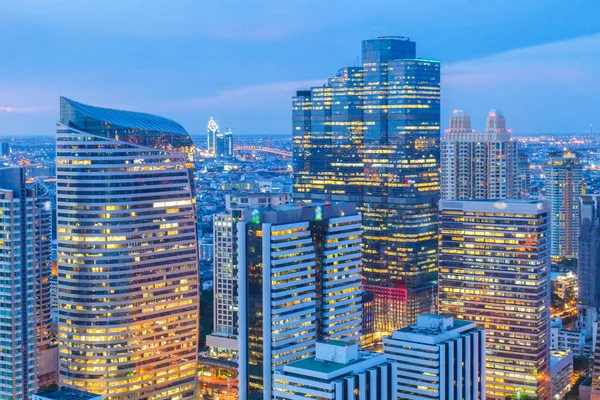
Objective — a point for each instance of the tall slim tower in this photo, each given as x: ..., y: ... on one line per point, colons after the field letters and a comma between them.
x: 212, y: 130
x: 480, y: 165
x: 127, y: 254
x: 494, y: 270
x: 588, y: 262
x: 46, y: 341
x: 370, y: 135
x: 299, y: 281
x: 18, y: 363
x: 564, y: 176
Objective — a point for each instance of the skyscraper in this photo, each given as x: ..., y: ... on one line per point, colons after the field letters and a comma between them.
x: 588, y: 262
x: 17, y: 306
x: 227, y: 143
x: 4, y: 149
x: 564, y: 176
x: 212, y: 130
x: 225, y: 269
x: 494, y: 270
x: 299, y: 281
x: 127, y: 254
x: 480, y: 165
x: 370, y: 135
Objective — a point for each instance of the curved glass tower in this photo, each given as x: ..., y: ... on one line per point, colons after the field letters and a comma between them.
x: 127, y: 254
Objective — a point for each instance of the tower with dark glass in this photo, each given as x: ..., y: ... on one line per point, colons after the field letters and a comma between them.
x: 127, y: 254
x: 370, y: 135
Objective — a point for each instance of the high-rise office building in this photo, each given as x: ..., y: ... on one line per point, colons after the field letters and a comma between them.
x: 439, y: 357
x: 225, y: 144
x: 18, y: 364
x: 370, y: 135
x: 225, y: 272
x: 212, y: 129
x: 588, y: 263
x: 479, y: 165
x: 564, y: 176
x: 494, y: 270
x: 300, y: 273
x: 127, y: 254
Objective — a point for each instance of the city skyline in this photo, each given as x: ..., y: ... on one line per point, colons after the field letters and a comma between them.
x: 519, y: 71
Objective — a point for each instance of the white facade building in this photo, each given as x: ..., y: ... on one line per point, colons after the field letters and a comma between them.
x: 565, y: 339
x: 478, y: 165
x: 437, y: 358
x: 338, y: 371
x: 300, y: 271
x: 561, y: 370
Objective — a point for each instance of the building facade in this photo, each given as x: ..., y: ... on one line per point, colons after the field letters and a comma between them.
x: 495, y: 271
x: 127, y: 254
x: 437, y: 358
x: 588, y: 262
x: 18, y: 257
x: 212, y: 130
x: 564, y: 177
x: 561, y: 366
x: 338, y: 371
x: 479, y: 165
x: 225, y: 272
x: 299, y: 275
x: 370, y: 135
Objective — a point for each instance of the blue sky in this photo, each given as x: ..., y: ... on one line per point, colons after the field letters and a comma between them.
x: 241, y: 61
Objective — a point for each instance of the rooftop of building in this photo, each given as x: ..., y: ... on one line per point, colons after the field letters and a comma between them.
x: 434, y: 324
x: 130, y: 119
x: 56, y: 393
x: 312, y: 364
x: 432, y: 329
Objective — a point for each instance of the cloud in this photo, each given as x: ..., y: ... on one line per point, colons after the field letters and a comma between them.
x: 569, y: 63
x: 247, y: 97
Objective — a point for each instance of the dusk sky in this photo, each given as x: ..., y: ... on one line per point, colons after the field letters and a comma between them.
x: 241, y: 61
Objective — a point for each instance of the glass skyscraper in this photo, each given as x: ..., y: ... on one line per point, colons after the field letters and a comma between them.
x: 127, y: 254
x: 370, y: 135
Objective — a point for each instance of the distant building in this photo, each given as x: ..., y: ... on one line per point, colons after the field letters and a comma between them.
x: 227, y: 144
x: 437, y: 358
x: 300, y: 281
x: 479, y: 165
x: 561, y: 367
x: 206, y: 248
x: 565, y: 285
x: 494, y: 270
x: 212, y: 130
x: 4, y: 149
x: 588, y: 262
x: 338, y: 370
x: 564, y: 176
x: 65, y: 394
x: 523, y: 181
